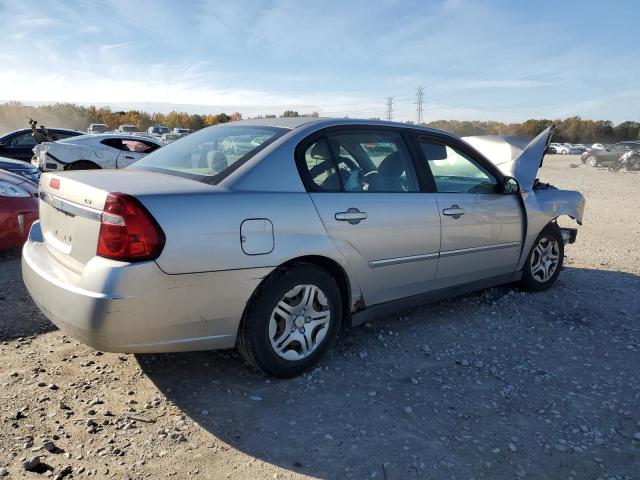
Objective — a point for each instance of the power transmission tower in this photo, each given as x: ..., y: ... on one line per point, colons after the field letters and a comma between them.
x: 389, y: 108
x: 419, y: 102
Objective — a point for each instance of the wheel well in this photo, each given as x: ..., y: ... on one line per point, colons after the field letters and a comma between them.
x: 337, y: 272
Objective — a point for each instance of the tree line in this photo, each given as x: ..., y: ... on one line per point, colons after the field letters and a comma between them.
x: 571, y: 130
x: 13, y: 115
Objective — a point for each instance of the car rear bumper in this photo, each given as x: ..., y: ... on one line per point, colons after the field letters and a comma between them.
x: 135, y: 308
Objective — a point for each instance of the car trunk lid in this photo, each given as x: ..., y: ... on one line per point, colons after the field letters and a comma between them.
x: 71, y: 206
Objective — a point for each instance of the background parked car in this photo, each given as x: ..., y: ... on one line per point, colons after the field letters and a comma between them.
x: 25, y: 170
x: 579, y: 148
x: 86, y: 152
x: 598, y: 146
x: 98, y: 128
x: 563, y: 149
x: 18, y: 209
x: 182, y: 131
x: 157, y: 130
x: 19, y: 143
x: 128, y: 129
x: 170, y: 137
x: 608, y: 155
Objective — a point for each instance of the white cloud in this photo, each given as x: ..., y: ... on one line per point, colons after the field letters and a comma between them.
x: 473, y: 58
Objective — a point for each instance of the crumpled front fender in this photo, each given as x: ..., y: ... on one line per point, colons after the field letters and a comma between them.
x: 545, y: 205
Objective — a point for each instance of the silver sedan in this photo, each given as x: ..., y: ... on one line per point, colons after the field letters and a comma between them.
x: 316, y: 225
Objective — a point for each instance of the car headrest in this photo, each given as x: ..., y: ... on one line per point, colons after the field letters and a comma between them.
x: 320, y: 151
x: 320, y: 148
x: 217, y: 160
x: 391, y: 166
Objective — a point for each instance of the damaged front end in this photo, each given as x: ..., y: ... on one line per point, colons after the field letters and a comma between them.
x: 543, y: 203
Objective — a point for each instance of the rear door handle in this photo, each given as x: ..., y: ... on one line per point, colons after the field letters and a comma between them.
x: 128, y: 157
x: 453, y: 211
x: 352, y: 215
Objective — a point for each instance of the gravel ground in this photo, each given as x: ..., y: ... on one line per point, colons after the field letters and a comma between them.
x: 499, y: 384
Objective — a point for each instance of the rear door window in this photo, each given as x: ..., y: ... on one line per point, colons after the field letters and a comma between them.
x: 368, y: 161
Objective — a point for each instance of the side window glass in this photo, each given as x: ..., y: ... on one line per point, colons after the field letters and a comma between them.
x: 114, y: 143
x: 62, y: 135
x: 23, y: 140
x: 136, y: 146
x: 454, y: 172
x: 361, y: 161
x: 373, y: 162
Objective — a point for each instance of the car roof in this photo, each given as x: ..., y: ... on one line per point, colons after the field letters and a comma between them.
x: 292, y: 123
x: 53, y: 129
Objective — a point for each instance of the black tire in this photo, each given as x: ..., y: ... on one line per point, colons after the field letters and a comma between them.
x: 530, y: 281
x: 83, y: 165
x: 254, y: 342
x: 591, y: 161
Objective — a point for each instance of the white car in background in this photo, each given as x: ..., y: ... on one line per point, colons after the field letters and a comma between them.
x: 88, y: 152
x: 157, y: 131
x: 128, y: 129
x: 98, y: 128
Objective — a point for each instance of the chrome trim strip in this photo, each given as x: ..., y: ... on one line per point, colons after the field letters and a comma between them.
x: 398, y: 260
x: 70, y: 208
x: 484, y: 248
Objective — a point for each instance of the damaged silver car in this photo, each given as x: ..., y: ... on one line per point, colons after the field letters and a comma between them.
x: 318, y: 224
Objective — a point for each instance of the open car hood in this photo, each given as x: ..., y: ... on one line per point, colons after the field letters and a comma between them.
x: 513, y: 155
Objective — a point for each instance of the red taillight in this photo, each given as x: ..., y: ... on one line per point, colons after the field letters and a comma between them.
x: 55, y: 183
x: 128, y: 232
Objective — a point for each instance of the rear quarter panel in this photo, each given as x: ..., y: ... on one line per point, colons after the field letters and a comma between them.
x: 203, y: 230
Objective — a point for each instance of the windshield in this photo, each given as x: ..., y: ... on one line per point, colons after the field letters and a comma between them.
x: 211, y: 154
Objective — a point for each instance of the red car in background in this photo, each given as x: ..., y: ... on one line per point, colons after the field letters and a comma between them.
x: 18, y: 209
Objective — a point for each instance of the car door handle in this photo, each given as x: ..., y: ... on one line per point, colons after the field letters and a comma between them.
x: 352, y: 215
x: 129, y: 157
x: 454, y: 211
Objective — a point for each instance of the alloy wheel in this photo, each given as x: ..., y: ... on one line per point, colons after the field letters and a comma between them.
x: 299, y: 322
x: 545, y: 259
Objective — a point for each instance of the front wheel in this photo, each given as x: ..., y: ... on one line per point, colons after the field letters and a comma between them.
x: 592, y: 161
x: 292, y: 321
x: 545, y: 260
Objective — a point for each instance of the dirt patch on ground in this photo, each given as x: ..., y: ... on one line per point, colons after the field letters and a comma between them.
x: 499, y: 384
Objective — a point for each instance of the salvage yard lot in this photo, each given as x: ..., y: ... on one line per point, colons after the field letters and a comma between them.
x: 500, y: 384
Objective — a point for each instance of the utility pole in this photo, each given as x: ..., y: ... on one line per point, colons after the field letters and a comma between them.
x: 389, y: 108
x: 419, y: 102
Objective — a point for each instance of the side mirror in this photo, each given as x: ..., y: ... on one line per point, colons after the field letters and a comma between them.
x: 510, y: 186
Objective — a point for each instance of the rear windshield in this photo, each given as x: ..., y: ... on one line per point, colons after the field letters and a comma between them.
x: 211, y: 154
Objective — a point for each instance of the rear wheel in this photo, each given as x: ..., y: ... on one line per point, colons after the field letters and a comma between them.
x: 83, y: 165
x: 292, y: 321
x: 545, y: 260
x: 592, y: 161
